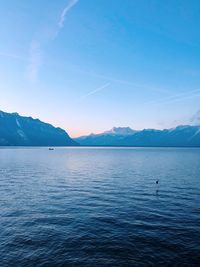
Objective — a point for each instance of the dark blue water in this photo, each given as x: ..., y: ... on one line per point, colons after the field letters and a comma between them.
x: 99, y: 207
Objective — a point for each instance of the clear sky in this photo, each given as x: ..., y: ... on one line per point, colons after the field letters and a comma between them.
x: 89, y: 65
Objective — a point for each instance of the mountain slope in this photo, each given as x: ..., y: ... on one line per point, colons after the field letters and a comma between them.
x: 120, y: 131
x: 16, y: 130
x: 183, y: 136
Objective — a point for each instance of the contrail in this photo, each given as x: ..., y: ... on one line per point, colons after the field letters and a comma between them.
x: 13, y: 56
x: 36, y: 46
x: 35, y: 61
x: 139, y: 86
x: 119, y: 81
x: 189, y: 96
x: 67, y: 8
x: 196, y: 117
x: 176, y: 98
x: 95, y: 91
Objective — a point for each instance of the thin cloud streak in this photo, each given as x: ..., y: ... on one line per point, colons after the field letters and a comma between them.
x: 94, y: 91
x: 67, y: 8
x: 13, y: 56
x: 196, y: 118
x: 176, y: 98
x: 139, y: 86
x: 119, y: 81
x: 35, y: 61
x: 186, y: 97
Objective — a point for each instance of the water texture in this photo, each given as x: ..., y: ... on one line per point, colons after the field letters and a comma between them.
x: 99, y: 207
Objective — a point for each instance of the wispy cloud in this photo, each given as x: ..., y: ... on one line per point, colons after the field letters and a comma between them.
x: 187, y: 97
x: 134, y: 85
x: 196, y: 118
x: 35, y: 61
x: 36, y: 46
x: 13, y: 56
x: 66, y: 9
x: 176, y: 98
x: 94, y: 91
x: 113, y: 80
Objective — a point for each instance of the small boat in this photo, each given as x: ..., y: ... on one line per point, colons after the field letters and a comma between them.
x: 51, y: 148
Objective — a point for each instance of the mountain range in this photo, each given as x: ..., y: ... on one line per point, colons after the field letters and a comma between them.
x: 16, y: 130
x: 181, y: 136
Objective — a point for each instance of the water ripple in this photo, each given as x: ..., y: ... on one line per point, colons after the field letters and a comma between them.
x: 99, y: 207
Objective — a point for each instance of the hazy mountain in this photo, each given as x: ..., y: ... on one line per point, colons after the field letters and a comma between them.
x: 195, y: 120
x: 120, y: 131
x: 184, y: 136
x: 108, y: 138
x: 16, y: 130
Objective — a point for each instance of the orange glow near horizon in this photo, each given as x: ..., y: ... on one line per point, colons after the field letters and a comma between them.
x: 75, y: 134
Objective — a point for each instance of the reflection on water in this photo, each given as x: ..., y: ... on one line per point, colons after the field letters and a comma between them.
x: 100, y: 207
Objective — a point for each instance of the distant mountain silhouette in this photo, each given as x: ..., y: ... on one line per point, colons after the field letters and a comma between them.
x: 16, y: 130
x: 181, y: 136
x: 120, y: 131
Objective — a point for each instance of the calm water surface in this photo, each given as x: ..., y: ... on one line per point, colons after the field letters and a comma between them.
x: 99, y: 207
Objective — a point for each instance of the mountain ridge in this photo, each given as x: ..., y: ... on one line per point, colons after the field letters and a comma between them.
x: 120, y: 131
x: 180, y: 136
x: 16, y: 130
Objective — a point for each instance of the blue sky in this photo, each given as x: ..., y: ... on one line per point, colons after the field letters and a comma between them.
x: 89, y: 65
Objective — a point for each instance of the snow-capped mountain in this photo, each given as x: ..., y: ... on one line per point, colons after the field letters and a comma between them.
x: 120, y: 131
x: 183, y: 136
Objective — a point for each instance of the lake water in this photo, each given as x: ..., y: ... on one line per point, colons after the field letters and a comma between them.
x: 99, y: 207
